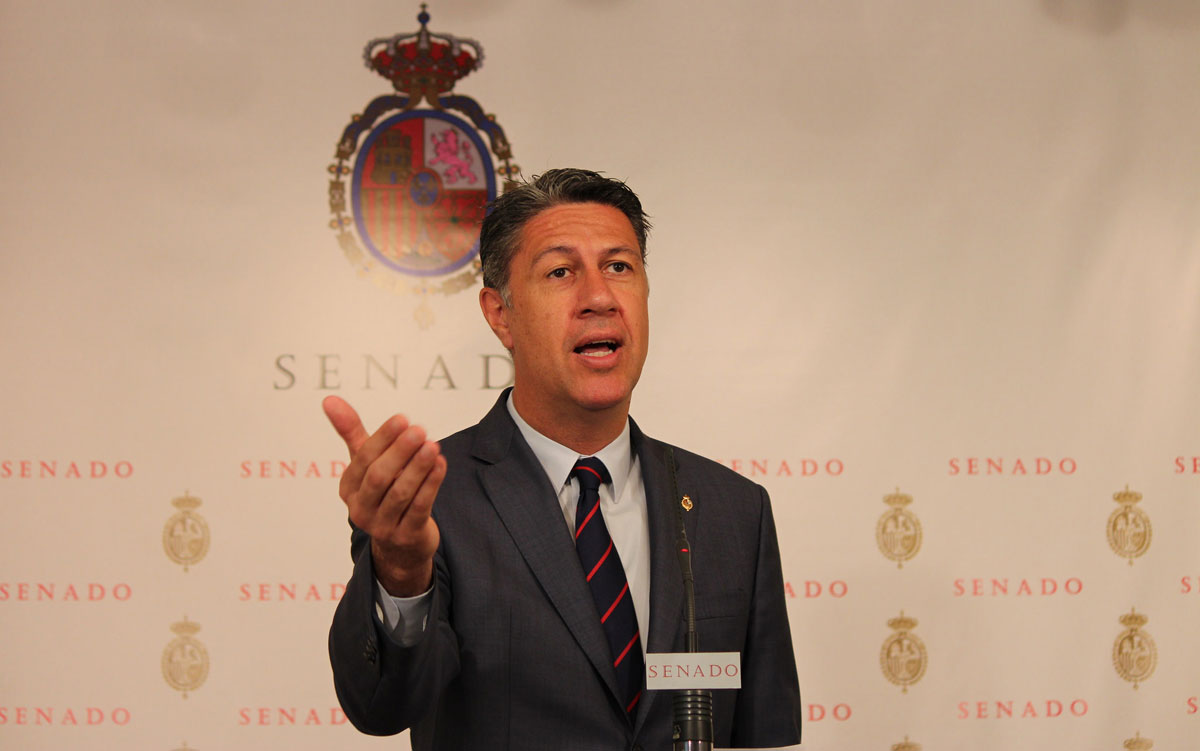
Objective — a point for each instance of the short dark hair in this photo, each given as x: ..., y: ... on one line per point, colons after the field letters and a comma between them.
x: 508, y: 214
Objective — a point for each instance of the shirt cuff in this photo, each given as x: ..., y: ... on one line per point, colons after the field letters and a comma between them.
x: 403, y: 617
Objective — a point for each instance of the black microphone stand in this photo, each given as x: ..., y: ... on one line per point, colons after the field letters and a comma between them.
x: 692, y: 726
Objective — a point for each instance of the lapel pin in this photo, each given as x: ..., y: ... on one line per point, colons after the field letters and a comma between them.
x: 686, y: 503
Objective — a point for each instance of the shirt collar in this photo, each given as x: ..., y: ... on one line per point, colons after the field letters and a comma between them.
x: 557, y: 460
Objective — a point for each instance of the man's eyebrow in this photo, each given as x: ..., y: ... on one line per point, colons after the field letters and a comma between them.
x: 568, y: 250
x: 618, y: 250
x: 564, y: 249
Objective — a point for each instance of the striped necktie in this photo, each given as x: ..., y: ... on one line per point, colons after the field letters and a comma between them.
x: 606, y: 579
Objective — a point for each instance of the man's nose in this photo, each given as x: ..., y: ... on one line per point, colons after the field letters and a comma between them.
x: 596, y: 294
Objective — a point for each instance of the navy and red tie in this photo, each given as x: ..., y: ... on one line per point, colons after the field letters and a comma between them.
x: 606, y: 578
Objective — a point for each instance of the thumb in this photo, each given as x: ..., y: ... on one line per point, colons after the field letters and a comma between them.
x: 346, y: 422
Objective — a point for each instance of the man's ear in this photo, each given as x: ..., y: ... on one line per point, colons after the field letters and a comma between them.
x: 496, y: 314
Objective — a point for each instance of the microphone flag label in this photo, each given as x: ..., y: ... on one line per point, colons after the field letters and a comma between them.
x: 674, y: 670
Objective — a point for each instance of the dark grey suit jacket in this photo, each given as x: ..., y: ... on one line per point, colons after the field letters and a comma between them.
x: 514, y: 657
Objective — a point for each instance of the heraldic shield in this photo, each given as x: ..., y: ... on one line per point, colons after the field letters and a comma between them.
x: 420, y: 179
x: 421, y: 185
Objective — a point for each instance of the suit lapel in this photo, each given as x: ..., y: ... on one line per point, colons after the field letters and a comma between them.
x: 518, y: 489
x: 666, y: 579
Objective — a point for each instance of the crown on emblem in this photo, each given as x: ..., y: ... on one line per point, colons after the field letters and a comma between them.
x: 902, y: 623
x: 1138, y: 743
x: 423, y: 64
x: 185, y: 627
x: 906, y: 745
x: 186, y: 502
x: 1127, y: 496
x: 897, y: 499
x: 1133, y: 619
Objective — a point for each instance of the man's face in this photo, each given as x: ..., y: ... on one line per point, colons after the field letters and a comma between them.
x: 577, y: 326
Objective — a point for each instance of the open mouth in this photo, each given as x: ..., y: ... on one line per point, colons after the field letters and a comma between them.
x: 598, y: 348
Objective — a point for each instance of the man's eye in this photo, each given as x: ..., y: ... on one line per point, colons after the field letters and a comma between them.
x: 558, y: 273
x: 620, y: 267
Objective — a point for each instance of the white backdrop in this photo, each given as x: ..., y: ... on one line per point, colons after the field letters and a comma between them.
x: 893, y: 241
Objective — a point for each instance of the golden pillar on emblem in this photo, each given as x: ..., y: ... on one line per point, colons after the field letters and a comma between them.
x: 898, y: 532
x: 1134, y: 655
x: 185, y: 660
x: 1128, y: 526
x: 903, y: 657
x: 185, y: 535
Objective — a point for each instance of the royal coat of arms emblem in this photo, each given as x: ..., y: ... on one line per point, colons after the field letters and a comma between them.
x: 185, y: 660
x: 1134, y: 655
x: 410, y: 185
x: 1138, y: 743
x: 903, y: 657
x: 185, y: 535
x: 1128, y: 527
x: 898, y: 531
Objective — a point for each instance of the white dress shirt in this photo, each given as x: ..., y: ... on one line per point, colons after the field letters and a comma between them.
x: 623, y: 505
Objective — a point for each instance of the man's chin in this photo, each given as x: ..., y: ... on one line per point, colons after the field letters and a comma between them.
x: 603, y: 399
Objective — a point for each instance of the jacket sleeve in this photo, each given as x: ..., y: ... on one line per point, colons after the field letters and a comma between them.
x: 768, y: 710
x: 384, y: 687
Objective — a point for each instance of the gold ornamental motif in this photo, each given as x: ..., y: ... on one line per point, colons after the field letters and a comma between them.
x: 898, y: 532
x: 903, y: 657
x: 1134, y: 654
x: 185, y: 535
x: 1138, y: 743
x: 686, y: 502
x: 185, y: 660
x: 906, y: 745
x: 1128, y: 526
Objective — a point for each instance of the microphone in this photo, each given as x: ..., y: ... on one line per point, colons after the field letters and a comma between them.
x: 692, y: 725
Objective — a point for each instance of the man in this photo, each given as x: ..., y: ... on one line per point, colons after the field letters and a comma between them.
x: 475, y: 615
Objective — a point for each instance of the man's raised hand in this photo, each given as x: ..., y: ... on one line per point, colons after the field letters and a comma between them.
x: 389, y: 488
